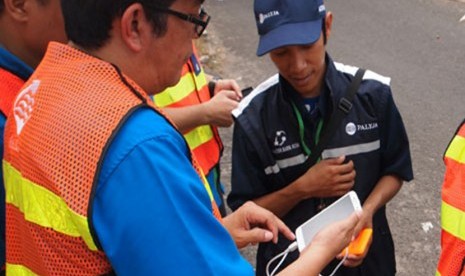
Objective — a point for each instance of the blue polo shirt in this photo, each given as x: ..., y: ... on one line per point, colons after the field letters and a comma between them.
x: 150, y: 210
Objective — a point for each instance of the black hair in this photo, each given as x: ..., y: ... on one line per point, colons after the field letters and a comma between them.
x: 88, y: 22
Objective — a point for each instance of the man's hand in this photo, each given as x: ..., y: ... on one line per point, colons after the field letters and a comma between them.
x: 328, y: 178
x: 219, y: 108
x: 251, y: 224
x: 336, y: 236
x: 366, y: 221
x: 325, y: 245
x: 385, y: 189
x: 228, y: 84
x: 216, y: 111
x: 226, y: 97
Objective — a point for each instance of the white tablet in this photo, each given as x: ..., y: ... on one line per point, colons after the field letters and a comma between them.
x: 338, y: 210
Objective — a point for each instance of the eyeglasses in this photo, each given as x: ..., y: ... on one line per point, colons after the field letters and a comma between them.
x: 200, y: 21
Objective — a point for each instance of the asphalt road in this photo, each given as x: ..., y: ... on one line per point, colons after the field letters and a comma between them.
x: 420, y: 45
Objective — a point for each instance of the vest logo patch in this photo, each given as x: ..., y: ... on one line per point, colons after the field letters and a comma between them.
x: 24, y: 104
x: 280, y: 138
x: 352, y: 128
x: 279, y: 142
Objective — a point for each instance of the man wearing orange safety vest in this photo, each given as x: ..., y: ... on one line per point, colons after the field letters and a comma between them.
x: 97, y: 179
x: 26, y: 27
x: 197, y: 107
x: 452, y: 257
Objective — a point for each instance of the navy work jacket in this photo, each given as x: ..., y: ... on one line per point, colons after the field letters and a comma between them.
x: 268, y: 152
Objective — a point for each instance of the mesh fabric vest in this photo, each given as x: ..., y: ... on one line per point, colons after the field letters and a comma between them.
x: 64, y: 120
x: 452, y: 257
x: 10, y: 84
x: 192, y: 89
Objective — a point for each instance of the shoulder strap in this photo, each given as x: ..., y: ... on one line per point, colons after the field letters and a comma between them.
x: 343, y: 108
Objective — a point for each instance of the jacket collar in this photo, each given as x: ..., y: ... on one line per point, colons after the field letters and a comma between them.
x: 13, y: 64
x: 335, y: 81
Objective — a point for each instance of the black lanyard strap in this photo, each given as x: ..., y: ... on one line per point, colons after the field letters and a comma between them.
x: 344, y: 107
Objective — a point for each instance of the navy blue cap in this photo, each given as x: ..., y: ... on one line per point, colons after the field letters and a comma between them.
x: 287, y: 22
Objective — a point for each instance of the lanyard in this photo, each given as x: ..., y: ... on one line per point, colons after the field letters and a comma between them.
x: 302, y: 130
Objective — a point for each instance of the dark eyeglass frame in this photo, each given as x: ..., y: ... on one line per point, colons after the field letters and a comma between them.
x: 200, y: 24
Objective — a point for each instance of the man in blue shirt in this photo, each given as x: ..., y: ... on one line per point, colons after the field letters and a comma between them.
x: 111, y: 186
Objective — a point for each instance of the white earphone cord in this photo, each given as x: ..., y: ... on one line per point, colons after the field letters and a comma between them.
x: 291, y: 248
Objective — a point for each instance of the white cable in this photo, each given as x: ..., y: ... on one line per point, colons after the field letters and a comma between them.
x: 290, y: 248
x: 340, y: 263
x: 284, y: 254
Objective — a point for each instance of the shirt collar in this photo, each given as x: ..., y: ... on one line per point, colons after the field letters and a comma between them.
x: 12, y: 63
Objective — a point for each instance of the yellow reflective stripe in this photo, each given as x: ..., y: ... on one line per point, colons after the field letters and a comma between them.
x: 204, y: 179
x: 437, y: 273
x: 18, y: 270
x: 42, y: 207
x: 199, y: 136
x: 456, y: 150
x: 200, y: 79
x: 453, y: 220
x: 207, y: 187
x: 182, y: 89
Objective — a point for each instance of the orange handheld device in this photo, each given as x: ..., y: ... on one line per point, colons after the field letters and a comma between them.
x: 359, y: 245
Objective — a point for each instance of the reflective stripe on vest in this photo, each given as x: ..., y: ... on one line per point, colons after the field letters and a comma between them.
x: 192, y: 89
x: 452, y: 257
x: 14, y: 269
x: 49, y: 175
x: 10, y: 85
x: 52, y: 157
x: 184, y: 89
x: 44, y: 208
x: 215, y: 209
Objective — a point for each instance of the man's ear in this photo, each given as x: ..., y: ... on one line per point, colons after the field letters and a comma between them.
x: 329, y: 24
x: 135, y: 28
x: 18, y: 9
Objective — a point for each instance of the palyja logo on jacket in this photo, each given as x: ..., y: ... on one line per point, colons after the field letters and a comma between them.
x: 352, y: 128
x: 24, y: 105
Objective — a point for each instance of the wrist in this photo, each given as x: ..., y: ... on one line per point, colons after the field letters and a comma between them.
x: 369, y: 206
x: 207, y: 117
x: 295, y: 193
x: 212, y: 85
x: 303, y: 187
x: 317, y: 257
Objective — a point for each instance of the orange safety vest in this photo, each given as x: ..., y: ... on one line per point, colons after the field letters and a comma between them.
x: 55, y: 146
x: 192, y: 89
x: 452, y: 257
x: 10, y: 84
